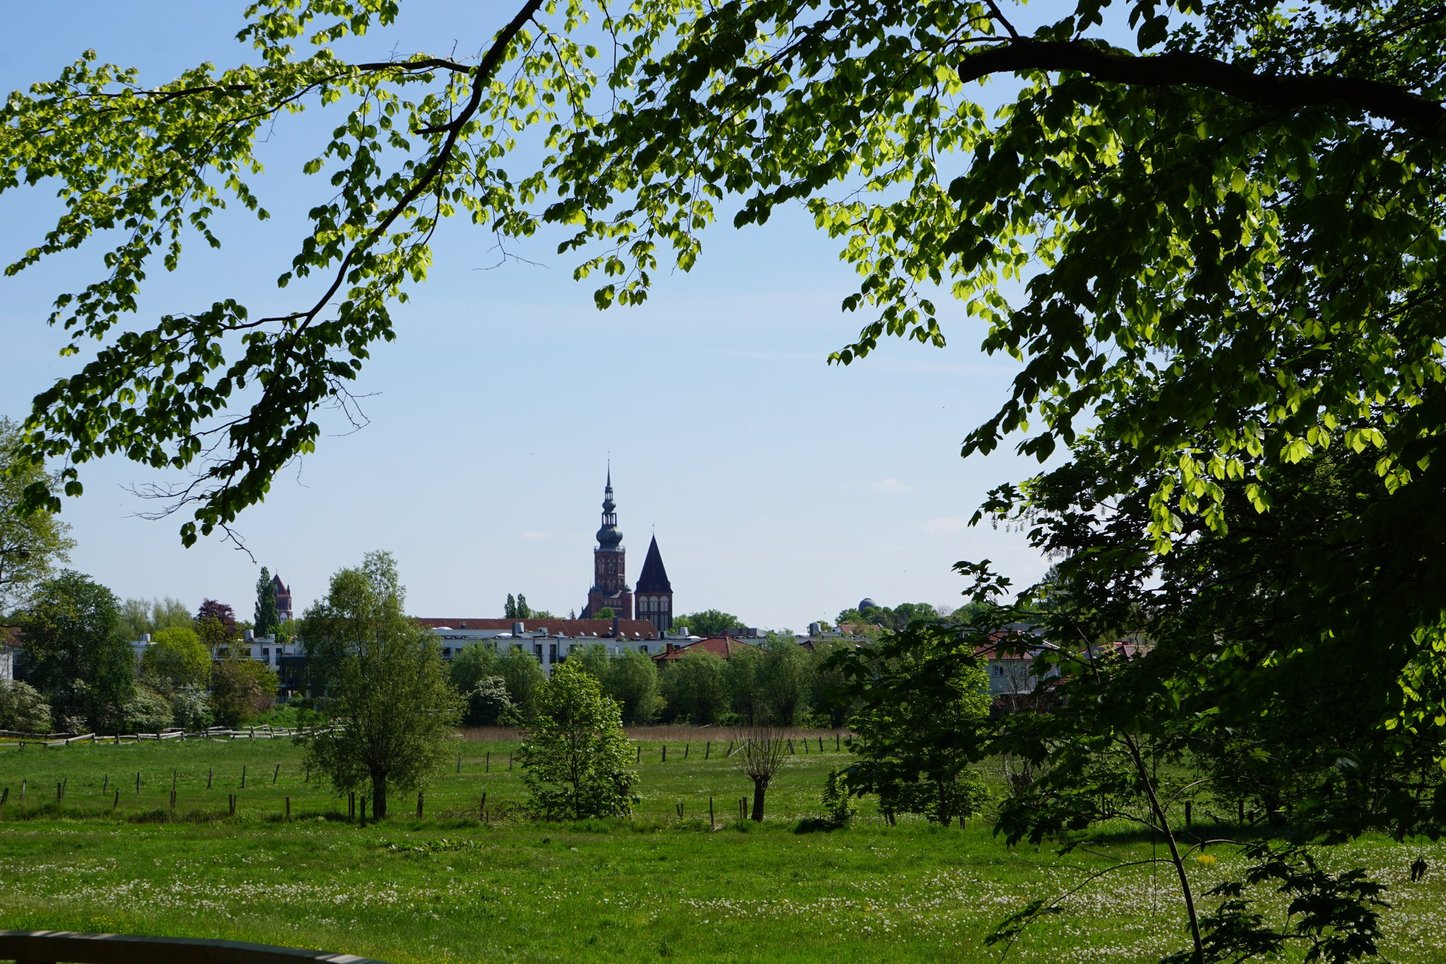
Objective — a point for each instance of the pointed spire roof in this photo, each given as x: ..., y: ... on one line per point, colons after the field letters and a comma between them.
x: 609, y: 536
x: 653, y: 578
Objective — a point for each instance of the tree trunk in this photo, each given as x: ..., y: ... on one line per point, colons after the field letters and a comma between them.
x: 760, y: 787
x: 379, y: 796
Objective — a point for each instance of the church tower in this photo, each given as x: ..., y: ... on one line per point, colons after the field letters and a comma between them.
x: 655, y: 593
x: 609, y: 564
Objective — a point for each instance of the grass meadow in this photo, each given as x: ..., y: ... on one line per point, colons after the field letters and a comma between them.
x: 449, y: 887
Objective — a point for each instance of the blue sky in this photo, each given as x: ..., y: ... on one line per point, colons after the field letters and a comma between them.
x: 779, y: 488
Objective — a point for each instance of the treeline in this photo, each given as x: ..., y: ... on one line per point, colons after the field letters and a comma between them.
x: 77, y: 672
x: 779, y: 681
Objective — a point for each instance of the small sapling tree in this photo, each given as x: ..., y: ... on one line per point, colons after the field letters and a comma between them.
x: 576, y: 759
x: 924, y: 707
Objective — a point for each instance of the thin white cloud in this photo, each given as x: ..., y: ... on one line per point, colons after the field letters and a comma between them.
x: 891, y: 484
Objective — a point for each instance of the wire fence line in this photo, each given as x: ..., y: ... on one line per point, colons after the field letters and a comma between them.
x: 267, y: 732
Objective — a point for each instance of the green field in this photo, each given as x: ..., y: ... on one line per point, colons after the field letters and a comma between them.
x: 449, y: 887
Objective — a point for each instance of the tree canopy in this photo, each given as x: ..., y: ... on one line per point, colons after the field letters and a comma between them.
x: 76, y: 651
x: 32, y: 540
x: 1212, y: 227
x: 267, y: 618
x: 576, y: 759
x: 387, y: 687
x: 708, y: 622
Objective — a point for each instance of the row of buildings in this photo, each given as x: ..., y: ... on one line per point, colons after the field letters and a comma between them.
x: 617, y: 616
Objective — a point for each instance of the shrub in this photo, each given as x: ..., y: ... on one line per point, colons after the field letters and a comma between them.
x: 23, y: 708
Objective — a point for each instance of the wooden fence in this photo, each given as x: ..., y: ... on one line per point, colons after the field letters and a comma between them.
x: 268, y: 732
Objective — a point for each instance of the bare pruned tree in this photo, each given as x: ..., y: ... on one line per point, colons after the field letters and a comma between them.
x: 761, y: 751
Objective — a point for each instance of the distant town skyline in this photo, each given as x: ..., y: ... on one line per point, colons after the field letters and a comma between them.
x: 779, y: 488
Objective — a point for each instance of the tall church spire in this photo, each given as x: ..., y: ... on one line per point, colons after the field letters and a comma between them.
x: 609, y: 564
x: 609, y: 536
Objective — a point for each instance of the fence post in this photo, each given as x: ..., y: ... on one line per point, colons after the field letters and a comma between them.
x: 116, y: 802
x: 210, y: 772
x: 59, y: 792
x: 820, y: 744
x: 138, y: 781
x: 640, y: 754
x: 243, y: 776
x: 419, y: 806
x: 22, y: 790
x: 835, y: 742
x: 487, y: 763
x: 509, y: 761
x: 707, y: 749
x: 482, y: 807
x: 276, y: 775
x: 686, y: 747
x: 710, y: 813
x: 105, y: 785
x: 665, y: 753
x: 288, y: 809
x: 459, y: 763
x: 231, y: 800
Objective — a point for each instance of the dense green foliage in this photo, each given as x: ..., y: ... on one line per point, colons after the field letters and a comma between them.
x: 266, y: 616
x: 392, y: 709
x: 241, y: 690
x: 143, y: 616
x: 76, y: 652
x: 523, y: 677
x: 23, y: 708
x: 476, y: 674
x: 922, y: 722
x: 32, y: 540
x: 632, y: 680
x: 576, y: 759
x: 176, y: 657
x: 696, y: 687
x: 707, y: 622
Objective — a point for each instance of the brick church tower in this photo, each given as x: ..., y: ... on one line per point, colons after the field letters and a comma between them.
x: 655, y: 592
x: 609, y: 564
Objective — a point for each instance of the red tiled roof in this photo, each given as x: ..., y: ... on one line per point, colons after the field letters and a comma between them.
x: 602, y: 628
x: 723, y: 646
